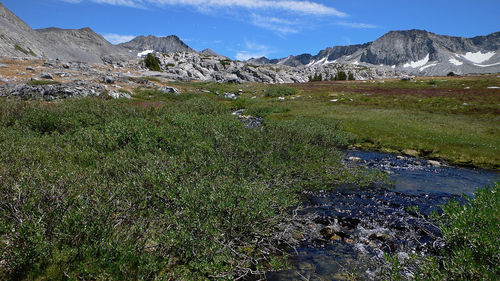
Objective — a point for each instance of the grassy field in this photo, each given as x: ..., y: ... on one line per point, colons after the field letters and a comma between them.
x: 173, y: 187
x: 452, y: 119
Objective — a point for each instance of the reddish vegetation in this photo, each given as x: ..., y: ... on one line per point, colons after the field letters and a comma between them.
x: 383, y: 90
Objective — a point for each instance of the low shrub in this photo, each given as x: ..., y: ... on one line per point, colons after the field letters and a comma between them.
x: 96, y: 189
x: 472, y: 235
x: 42, y: 82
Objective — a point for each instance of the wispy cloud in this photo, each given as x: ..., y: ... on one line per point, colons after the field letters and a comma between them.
x: 356, y: 25
x: 279, y: 25
x: 280, y: 16
x: 301, y: 7
x: 117, y: 38
x: 254, y: 50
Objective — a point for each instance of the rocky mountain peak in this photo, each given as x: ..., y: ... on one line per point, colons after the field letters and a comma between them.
x: 209, y: 52
x: 168, y: 44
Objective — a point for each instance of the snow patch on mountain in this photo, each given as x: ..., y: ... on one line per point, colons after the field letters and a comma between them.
x: 455, y: 61
x: 141, y: 54
x: 427, y: 66
x: 416, y: 64
x: 478, y: 57
x: 487, y: 65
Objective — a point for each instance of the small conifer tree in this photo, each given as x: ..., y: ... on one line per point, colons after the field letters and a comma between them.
x: 351, y: 76
x: 152, y: 63
x: 341, y: 76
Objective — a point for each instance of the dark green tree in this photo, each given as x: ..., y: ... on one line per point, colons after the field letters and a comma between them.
x: 152, y: 63
x: 351, y: 76
x: 341, y: 76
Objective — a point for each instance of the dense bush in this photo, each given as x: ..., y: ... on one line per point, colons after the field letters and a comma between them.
x: 472, y: 235
x: 280, y: 91
x: 119, y: 190
x: 152, y: 63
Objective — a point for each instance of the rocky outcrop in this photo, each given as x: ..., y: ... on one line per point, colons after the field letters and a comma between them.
x: 77, y: 89
x: 193, y: 66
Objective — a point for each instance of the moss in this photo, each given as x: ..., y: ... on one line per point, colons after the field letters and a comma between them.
x: 42, y: 82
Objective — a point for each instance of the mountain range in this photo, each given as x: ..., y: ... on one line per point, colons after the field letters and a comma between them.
x: 413, y: 51
x: 416, y: 52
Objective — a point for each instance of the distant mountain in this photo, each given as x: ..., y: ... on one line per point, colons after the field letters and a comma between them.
x: 169, y: 44
x: 18, y: 39
x: 209, y: 52
x: 80, y: 45
x: 414, y: 51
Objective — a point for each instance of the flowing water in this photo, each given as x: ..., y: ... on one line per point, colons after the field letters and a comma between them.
x: 351, y: 230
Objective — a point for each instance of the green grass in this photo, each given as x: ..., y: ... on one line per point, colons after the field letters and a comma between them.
x: 24, y: 51
x: 280, y: 91
x: 161, y: 187
x: 42, y: 82
x: 440, y: 121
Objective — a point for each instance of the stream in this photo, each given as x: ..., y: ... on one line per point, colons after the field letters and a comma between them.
x: 348, y: 231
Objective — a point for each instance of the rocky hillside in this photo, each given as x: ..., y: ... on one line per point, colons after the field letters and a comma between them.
x: 413, y: 51
x: 142, y: 45
x: 16, y: 37
x: 80, y: 45
x: 201, y: 67
x: 19, y: 40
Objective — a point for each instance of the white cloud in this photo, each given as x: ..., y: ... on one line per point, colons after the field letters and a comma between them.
x: 279, y: 25
x: 356, y: 25
x: 245, y: 55
x: 117, y: 38
x: 295, y: 6
x: 254, y: 50
x: 127, y: 3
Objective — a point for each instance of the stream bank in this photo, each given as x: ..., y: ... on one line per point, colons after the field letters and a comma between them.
x: 348, y: 231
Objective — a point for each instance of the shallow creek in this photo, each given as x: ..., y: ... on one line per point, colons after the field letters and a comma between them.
x: 350, y: 230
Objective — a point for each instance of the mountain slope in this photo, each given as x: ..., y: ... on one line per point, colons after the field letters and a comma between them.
x: 16, y: 37
x: 80, y: 45
x: 165, y: 45
x: 413, y: 51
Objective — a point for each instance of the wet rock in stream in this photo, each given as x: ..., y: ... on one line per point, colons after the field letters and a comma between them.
x: 350, y: 230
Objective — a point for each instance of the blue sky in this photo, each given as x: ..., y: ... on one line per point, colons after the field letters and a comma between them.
x: 241, y: 29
